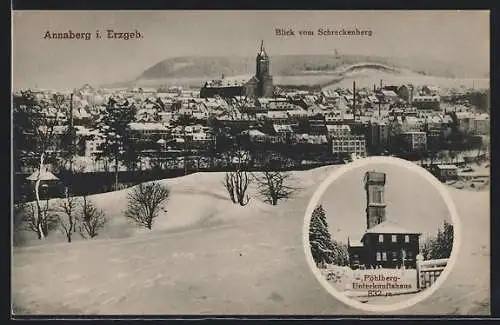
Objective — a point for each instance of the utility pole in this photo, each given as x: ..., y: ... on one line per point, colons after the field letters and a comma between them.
x: 379, y: 106
x: 72, y: 132
x: 185, y: 151
x: 354, y: 99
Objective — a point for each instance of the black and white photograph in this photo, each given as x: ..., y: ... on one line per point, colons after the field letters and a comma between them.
x: 388, y: 237
x: 163, y: 162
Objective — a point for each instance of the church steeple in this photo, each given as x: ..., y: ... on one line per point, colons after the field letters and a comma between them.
x: 262, y: 51
x: 262, y: 62
x: 262, y: 73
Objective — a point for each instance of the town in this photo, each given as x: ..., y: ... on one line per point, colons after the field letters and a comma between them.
x: 249, y: 120
x: 209, y: 166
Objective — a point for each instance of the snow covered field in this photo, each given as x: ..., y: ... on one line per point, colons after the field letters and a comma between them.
x: 366, y: 78
x: 208, y: 256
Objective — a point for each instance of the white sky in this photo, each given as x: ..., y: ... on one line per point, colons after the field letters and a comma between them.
x: 458, y: 36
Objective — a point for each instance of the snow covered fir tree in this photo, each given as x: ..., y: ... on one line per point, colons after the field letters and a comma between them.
x: 324, y: 249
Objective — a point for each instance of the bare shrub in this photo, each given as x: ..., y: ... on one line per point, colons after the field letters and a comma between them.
x: 91, y: 219
x: 67, y: 216
x: 144, y: 203
x: 236, y: 184
x: 237, y: 179
x: 38, y: 219
x: 273, y: 186
x: 229, y: 185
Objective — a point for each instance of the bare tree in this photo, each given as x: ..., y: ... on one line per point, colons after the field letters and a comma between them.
x: 91, y: 220
x: 241, y: 182
x: 18, y: 215
x: 114, y: 127
x: 236, y: 181
x: 273, y: 186
x: 67, y: 216
x: 229, y: 185
x: 37, y: 122
x: 144, y: 203
x: 38, y: 221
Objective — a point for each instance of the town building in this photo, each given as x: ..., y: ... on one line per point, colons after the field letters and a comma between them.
x: 387, y: 96
x: 259, y: 85
x: 427, y: 102
x: 412, y: 124
x: 481, y: 124
x: 153, y: 130
x: 348, y: 145
x: 405, y: 92
x: 384, y: 243
x: 338, y: 130
x: 431, y: 90
x: 377, y: 135
x: 415, y: 141
x: 446, y: 172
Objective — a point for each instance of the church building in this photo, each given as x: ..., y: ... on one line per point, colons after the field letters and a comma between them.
x: 259, y: 85
x: 384, y: 243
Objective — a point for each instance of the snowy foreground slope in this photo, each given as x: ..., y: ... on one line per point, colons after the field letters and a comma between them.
x: 208, y: 256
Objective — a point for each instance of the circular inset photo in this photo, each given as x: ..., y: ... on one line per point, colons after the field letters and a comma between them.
x: 381, y: 234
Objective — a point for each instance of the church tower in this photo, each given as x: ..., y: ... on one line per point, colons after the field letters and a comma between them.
x: 375, y: 202
x: 262, y: 73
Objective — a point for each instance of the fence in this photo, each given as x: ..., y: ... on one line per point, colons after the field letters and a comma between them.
x: 429, y: 271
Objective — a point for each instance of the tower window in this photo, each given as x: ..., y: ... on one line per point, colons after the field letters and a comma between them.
x: 394, y: 238
x: 407, y: 238
x: 380, y: 238
x: 384, y: 256
x: 378, y: 257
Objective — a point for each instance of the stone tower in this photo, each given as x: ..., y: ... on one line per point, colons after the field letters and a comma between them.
x: 375, y: 202
x: 262, y: 73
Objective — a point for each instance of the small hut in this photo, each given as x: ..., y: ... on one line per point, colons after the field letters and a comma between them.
x: 49, y: 183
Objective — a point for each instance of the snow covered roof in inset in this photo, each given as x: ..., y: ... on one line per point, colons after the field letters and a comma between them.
x: 388, y: 227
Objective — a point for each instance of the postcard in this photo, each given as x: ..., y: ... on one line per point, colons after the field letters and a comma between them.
x: 208, y: 163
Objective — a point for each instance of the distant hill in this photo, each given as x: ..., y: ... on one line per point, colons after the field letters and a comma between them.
x: 194, y: 69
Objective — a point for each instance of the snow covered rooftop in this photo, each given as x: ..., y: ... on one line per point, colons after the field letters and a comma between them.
x: 45, y: 175
x: 355, y: 243
x: 447, y: 167
x: 388, y: 227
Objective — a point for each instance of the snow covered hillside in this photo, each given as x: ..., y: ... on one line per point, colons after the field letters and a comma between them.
x: 206, y: 255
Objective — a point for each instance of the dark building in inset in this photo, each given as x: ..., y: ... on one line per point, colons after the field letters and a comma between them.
x: 384, y: 243
x: 259, y: 85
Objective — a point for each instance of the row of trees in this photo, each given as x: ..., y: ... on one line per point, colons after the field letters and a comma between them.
x: 80, y: 215
x: 72, y: 215
x: 324, y: 249
x: 273, y: 184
